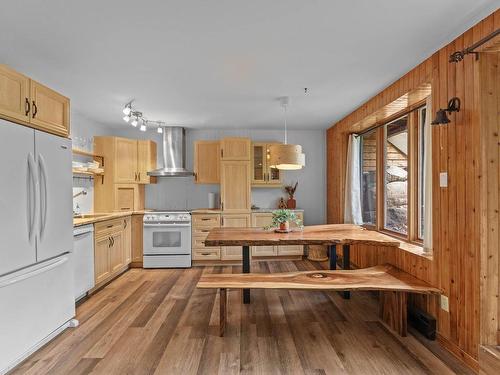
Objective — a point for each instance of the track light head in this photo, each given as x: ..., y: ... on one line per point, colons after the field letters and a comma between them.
x: 126, y: 118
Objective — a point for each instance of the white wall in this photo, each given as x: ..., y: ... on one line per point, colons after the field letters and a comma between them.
x: 183, y: 193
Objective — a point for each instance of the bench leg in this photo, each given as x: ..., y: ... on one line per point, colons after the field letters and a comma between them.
x: 393, y: 311
x: 346, y: 265
x: 222, y: 311
x: 246, y: 269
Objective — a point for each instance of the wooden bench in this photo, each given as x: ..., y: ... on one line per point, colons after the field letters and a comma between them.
x: 393, y: 282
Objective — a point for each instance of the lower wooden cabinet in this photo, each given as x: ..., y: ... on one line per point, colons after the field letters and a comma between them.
x: 112, y: 249
x: 102, y: 269
x: 234, y: 221
x: 201, y: 226
x: 127, y: 239
x: 263, y: 219
x: 137, y: 240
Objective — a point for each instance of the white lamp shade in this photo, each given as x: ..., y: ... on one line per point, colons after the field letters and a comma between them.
x: 286, y: 157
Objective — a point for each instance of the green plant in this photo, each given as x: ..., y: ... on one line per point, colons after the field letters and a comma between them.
x: 283, y: 216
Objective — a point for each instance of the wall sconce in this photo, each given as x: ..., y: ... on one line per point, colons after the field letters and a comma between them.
x: 442, y: 117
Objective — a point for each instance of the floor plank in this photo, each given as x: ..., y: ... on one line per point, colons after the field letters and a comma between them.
x: 157, y: 322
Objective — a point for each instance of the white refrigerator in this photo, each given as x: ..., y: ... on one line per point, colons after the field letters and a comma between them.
x: 36, y: 237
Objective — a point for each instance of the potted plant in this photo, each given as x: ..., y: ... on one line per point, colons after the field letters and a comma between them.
x: 282, y: 218
x: 290, y: 189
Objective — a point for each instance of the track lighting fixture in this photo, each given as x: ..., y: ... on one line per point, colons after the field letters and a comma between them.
x: 137, y: 116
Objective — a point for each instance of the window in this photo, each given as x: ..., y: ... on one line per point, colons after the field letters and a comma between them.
x: 392, y: 156
x: 396, y: 175
x: 368, y: 145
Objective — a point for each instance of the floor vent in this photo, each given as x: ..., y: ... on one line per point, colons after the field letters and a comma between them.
x: 422, y: 322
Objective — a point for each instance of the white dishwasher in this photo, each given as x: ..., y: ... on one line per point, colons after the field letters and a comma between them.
x: 83, y: 260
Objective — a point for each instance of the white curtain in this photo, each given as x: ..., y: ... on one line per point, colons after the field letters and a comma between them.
x: 352, y: 198
x: 427, y: 183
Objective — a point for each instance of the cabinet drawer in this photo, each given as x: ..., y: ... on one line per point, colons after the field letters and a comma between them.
x: 201, y: 231
x: 208, y: 254
x: 209, y: 221
x: 291, y: 250
x: 106, y: 228
x: 199, y: 242
x: 231, y: 253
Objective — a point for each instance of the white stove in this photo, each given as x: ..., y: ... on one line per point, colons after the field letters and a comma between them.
x: 167, y: 239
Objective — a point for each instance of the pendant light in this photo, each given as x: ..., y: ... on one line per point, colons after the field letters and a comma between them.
x: 285, y: 156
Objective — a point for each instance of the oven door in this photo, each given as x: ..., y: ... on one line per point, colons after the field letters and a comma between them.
x: 167, y: 239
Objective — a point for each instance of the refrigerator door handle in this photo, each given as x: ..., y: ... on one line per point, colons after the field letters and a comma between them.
x: 43, y: 194
x: 32, y: 199
x: 13, y: 279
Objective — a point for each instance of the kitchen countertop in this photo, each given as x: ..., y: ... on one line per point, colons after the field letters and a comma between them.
x: 77, y: 222
x: 218, y: 211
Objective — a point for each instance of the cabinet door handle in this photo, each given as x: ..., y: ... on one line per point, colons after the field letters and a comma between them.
x: 124, y: 224
x: 27, y: 107
x: 139, y: 176
x: 205, y: 253
x: 35, y: 109
x: 109, y: 242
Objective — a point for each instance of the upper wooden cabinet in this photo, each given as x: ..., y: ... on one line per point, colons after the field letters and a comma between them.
x: 262, y: 173
x: 235, y: 149
x: 235, y: 188
x: 207, y: 162
x: 146, y: 161
x: 49, y: 110
x: 127, y: 160
x: 14, y: 94
x: 31, y: 103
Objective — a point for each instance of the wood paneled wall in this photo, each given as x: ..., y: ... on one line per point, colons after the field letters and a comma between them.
x: 455, y: 265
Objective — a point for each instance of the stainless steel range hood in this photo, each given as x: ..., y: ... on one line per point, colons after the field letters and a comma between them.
x: 174, y: 154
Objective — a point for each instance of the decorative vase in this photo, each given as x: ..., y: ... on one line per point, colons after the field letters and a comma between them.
x: 285, y: 226
x: 291, y: 203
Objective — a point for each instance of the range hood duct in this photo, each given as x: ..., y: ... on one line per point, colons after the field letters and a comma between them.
x: 174, y: 154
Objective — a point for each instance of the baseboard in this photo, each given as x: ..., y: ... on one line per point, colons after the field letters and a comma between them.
x: 464, y: 357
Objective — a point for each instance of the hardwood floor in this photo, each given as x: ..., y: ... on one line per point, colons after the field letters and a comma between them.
x: 156, y: 321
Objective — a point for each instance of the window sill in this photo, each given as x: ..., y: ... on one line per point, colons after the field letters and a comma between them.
x: 411, y: 247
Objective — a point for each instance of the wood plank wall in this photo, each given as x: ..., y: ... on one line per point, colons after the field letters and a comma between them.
x: 455, y: 264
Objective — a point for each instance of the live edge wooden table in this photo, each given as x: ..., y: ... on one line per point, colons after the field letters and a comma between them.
x: 330, y: 235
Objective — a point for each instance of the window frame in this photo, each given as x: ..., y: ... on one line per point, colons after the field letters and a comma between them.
x: 413, y: 185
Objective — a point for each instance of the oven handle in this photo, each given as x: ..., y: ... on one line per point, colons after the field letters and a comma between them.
x: 167, y: 225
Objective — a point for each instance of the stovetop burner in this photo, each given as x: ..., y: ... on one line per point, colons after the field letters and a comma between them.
x: 168, y: 216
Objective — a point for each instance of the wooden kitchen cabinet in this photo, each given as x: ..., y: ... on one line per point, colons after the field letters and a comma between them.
x: 146, y: 161
x: 30, y: 103
x: 235, y: 149
x: 116, y: 253
x: 262, y: 174
x: 235, y: 190
x: 202, y: 223
x: 207, y: 162
x: 125, y: 160
x: 293, y: 249
x: 112, y: 249
x: 102, y: 269
x: 127, y: 239
x: 49, y: 110
x: 14, y: 94
x: 261, y: 220
x: 137, y: 240
x: 234, y: 221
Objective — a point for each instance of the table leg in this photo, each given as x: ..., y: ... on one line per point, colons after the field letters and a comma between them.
x: 246, y: 269
x: 332, y: 256
x: 346, y: 265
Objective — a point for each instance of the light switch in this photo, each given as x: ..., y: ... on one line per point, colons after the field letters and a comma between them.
x: 445, y: 303
x: 443, y: 179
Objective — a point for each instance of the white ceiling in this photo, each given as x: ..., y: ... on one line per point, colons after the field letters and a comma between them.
x: 223, y: 63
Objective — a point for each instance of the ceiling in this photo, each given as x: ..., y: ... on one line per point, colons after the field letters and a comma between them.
x: 224, y: 63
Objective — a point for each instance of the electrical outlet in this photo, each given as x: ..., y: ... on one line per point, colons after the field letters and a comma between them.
x: 443, y: 179
x: 444, y: 303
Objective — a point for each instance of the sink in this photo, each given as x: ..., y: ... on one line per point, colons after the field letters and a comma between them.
x: 89, y: 216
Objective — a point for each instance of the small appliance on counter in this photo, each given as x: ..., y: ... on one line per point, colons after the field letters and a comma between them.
x: 167, y: 239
